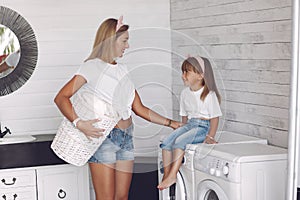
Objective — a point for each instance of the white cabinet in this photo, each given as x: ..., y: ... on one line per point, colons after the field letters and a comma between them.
x: 65, y: 182
x: 56, y: 182
x: 18, y: 184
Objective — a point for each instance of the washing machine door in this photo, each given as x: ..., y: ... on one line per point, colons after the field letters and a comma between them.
x: 180, y: 187
x: 209, y: 190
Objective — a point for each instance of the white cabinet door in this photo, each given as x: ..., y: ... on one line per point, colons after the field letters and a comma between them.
x: 65, y: 182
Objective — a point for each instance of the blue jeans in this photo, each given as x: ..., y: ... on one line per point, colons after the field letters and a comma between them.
x: 194, y: 131
x: 117, y: 146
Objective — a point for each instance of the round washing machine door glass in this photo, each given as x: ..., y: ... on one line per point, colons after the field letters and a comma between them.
x: 209, y: 190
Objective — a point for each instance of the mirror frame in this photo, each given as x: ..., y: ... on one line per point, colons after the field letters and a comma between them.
x: 28, y: 47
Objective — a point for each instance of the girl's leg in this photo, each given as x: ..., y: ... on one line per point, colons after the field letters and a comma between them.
x: 123, y: 178
x: 171, y: 178
x: 168, y: 142
x: 167, y: 162
x: 193, y: 136
x: 167, y: 148
x: 103, y: 177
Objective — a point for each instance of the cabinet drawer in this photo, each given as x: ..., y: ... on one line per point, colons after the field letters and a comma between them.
x: 13, y: 179
x: 24, y: 193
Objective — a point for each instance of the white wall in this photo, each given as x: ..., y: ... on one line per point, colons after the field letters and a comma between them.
x: 249, y: 43
x: 65, y: 32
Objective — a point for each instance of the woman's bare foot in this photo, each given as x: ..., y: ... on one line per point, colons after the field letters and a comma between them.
x: 167, y: 182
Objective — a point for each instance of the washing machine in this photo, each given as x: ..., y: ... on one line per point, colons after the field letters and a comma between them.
x: 248, y: 171
x: 185, y: 188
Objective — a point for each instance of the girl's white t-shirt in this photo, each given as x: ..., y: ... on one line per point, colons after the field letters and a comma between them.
x: 192, y: 106
x: 111, y: 83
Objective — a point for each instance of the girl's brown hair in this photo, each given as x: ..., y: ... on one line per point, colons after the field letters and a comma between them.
x: 104, y: 43
x: 192, y: 64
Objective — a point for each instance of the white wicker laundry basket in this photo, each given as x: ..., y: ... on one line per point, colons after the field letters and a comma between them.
x: 72, y: 145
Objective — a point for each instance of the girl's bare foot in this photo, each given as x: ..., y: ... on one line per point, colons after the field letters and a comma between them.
x: 167, y: 182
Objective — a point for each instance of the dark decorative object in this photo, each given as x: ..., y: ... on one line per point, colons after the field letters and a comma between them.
x: 29, y: 51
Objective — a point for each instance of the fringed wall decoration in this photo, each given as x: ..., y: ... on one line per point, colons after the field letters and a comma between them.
x: 28, y: 49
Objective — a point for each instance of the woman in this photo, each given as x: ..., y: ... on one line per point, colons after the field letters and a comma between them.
x: 111, y: 166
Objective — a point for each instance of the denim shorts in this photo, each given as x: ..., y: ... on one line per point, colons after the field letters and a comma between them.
x: 194, y: 131
x: 117, y: 146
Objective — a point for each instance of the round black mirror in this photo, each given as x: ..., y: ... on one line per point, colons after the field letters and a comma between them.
x: 21, y: 58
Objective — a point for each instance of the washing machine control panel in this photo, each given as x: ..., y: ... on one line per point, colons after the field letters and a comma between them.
x: 217, y: 167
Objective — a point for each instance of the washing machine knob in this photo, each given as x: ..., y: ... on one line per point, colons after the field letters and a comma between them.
x: 218, y: 172
x: 212, y: 171
x: 225, y: 170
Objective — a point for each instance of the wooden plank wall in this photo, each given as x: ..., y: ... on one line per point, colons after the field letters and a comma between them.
x: 65, y: 32
x: 249, y: 44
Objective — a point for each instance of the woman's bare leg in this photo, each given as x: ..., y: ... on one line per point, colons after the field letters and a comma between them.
x: 171, y: 178
x: 123, y: 179
x: 103, y: 177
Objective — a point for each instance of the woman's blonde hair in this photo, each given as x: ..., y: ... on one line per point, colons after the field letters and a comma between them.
x: 105, y: 39
x: 192, y: 64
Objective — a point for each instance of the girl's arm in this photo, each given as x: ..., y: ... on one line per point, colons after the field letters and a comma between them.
x: 212, y: 131
x: 62, y: 100
x: 149, y: 115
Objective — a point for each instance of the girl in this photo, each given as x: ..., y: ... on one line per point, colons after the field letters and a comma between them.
x: 200, y: 111
x: 111, y: 165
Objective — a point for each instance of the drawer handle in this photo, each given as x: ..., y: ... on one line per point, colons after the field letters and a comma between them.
x: 13, y: 181
x: 15, y: 197
x: 61, y: 194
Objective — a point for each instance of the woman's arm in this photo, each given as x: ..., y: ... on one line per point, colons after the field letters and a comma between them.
x: 149, y: 115
x: 184, y: 119
x: 62, y: 100
x: 214, y: 122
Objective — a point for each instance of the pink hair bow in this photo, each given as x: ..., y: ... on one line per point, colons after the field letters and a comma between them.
x: 119, y: 23
x: 200, y: 61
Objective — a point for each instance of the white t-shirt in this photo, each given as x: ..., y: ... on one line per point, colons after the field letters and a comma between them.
x: 111, y: 83
x: 192, y: 106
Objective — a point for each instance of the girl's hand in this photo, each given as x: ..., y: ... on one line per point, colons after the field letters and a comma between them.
x: 175, y: 124
x: 210, y: 140
x: 89, y: 129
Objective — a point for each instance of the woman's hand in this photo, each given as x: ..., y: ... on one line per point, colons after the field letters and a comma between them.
x: 175, y: 124
x: 88, y: 128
